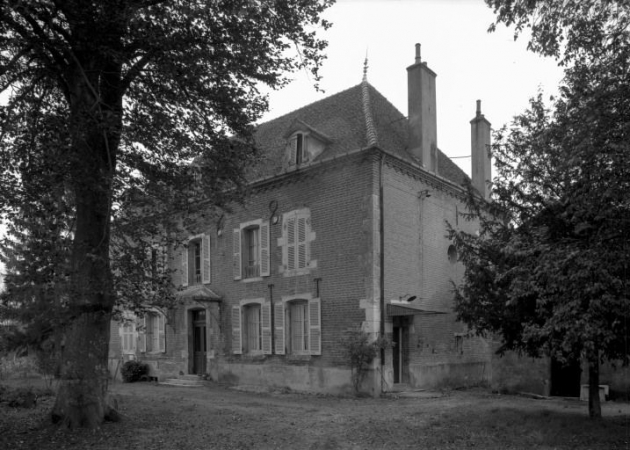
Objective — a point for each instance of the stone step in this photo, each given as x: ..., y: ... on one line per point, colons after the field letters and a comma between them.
x: 184, y: 382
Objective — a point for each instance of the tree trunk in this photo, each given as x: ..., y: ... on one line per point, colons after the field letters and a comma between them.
x: 594, y: 404
x: 82, y: 395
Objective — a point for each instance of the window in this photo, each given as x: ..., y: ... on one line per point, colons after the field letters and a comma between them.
x: 195, y: 259
x: 297, y: 149
x: 251, y: 321
x: 251, y: 258
x: 128, y: 336
x: 250, y: 243
x: 154, y: 340
x: 296, y: 243
x: 251, y: 327
x: 297, y: 326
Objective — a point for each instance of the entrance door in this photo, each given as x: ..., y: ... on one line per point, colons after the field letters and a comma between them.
x: 565, y: 378
x: 397, y: 353
x: 199, y: 342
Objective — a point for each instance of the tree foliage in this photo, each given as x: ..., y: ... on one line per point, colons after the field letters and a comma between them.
x: 122, y: 117
x: 549, y: 269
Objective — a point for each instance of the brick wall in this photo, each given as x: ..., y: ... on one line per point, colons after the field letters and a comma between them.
x: 440, y: 350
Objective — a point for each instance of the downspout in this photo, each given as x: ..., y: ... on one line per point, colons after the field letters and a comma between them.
x: 382, y: 263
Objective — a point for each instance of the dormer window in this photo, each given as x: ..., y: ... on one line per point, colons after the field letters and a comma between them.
x: 298, y: 149
x: 303, y: 144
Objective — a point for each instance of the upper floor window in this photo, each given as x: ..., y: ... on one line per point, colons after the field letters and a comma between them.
x: 196, y: 261
x: 250, y: 243
x: 296, y: 241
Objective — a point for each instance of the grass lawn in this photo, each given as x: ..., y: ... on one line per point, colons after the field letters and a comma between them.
x: 215, y: 417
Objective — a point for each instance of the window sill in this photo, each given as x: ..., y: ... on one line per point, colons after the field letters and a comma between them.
x: 251, y: 280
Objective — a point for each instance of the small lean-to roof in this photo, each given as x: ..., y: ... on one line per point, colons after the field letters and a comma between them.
x: 353, y: 119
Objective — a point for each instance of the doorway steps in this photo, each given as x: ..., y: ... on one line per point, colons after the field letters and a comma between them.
x: 184, y: 381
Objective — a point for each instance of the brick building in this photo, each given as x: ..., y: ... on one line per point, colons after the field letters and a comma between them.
x: 344, y: 229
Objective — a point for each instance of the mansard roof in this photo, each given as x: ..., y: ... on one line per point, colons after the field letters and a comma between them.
x: 357, y: 118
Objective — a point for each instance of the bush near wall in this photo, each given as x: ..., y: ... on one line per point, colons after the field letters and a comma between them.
x: 133, y: 371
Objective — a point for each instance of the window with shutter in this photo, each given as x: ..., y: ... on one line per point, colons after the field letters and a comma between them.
x: 296, y: 242
x: 278, y: 324
x: 251, y: 250
x: 128, y: 335
x: 300, y: 328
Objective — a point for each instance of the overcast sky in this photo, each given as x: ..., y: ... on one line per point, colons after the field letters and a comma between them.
x: 470, y: 63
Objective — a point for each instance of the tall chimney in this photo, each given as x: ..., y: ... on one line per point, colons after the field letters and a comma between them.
x: 421, y: 112
x: 481, y: 157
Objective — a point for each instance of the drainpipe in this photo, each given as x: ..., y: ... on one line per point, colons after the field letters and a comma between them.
x: 382, y: 261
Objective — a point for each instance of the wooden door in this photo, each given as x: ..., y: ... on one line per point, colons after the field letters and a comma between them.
x: 199, y: 342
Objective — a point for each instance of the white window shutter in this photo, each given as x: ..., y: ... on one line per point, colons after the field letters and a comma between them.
x: 265, y: 317
x: 301, y: 242
x: 162, y: 333
x: 237, y: 346
x: 291, y: 151
x: 264, y: 250
x: 278, y: 320
x: 184, y: 267
x: 205, y: 256
x: 236, y: 250
x: 291, y: 244
x: 315, y: 326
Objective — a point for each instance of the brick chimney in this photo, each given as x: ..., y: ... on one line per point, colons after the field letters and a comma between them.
x: 422, y: 115
x: 481, y: 158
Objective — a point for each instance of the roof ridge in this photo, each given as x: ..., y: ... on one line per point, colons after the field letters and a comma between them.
x: 372, y: 138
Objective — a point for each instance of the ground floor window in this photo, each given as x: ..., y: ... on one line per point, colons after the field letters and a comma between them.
x: 155, y: 338
x: 298, y: 332
x: 251, y: 319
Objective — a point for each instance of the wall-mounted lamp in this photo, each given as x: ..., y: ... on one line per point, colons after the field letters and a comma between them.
x: 424, y: 194
x: 407, y: 298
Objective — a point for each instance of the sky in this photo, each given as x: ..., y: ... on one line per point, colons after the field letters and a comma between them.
x: 471, y: 64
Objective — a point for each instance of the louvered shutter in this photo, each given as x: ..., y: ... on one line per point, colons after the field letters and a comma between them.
x: 278, y: 320
x: 291, y: 151
x: 315, y: 326
x: 205, y: 256
x: 184, y: 267
x: 161, y: 333
x: 265, y: 317
x: 236, y: 250
x: 302, y: 242
x: 142, y: 338
x: 264, y: 250
x: 291, y: 241
x: 237, y: 346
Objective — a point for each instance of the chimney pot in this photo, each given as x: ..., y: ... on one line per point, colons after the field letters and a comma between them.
x: 418, y: 59
x: 478, y: 108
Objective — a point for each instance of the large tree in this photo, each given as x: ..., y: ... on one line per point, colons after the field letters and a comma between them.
x: 127, y: 92
x: 549, y: 269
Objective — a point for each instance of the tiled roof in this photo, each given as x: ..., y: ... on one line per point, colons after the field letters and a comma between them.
x: 356, y: 118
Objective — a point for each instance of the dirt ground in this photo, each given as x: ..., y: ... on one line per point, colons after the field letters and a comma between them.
x: 217, y: 417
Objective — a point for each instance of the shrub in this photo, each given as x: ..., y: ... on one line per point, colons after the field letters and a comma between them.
x: 360, y: 353
x: 133, y: 371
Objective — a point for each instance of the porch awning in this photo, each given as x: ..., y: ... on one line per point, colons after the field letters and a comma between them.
x: 199, y: 293
x: 409, y: 309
